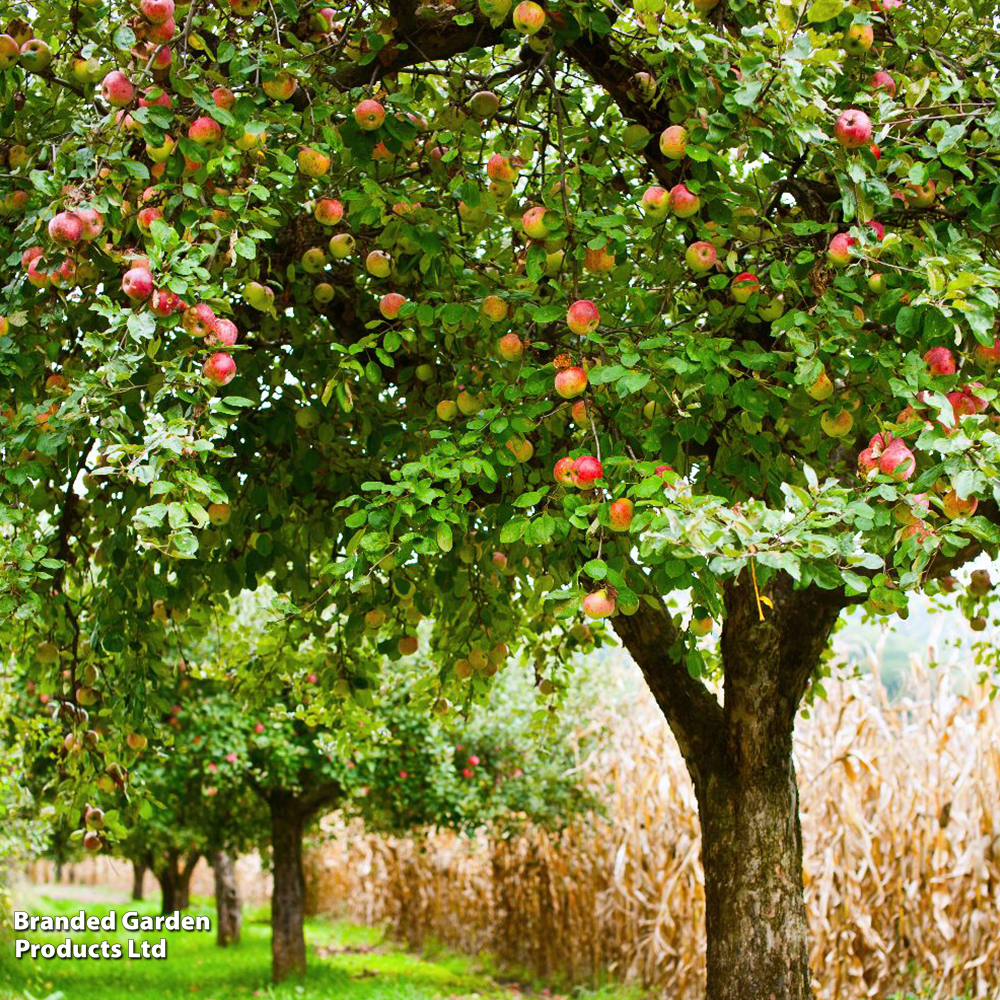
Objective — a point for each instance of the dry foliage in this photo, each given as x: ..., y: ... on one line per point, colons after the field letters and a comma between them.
x: 901, y: 822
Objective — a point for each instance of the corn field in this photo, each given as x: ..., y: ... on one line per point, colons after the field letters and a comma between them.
x: 901, y: 824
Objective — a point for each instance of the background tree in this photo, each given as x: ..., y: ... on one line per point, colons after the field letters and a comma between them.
x: 497, y: 319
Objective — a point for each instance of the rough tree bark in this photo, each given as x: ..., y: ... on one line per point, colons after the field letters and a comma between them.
x: 739, y: 755
x: 288, y: 943
x: 138, y: 877
x: 228, y: 906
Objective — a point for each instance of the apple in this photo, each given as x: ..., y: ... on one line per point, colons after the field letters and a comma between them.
x: 65, y: 229
x: 378, y: 263
x: 582, y: 317
x: 853, y: 129
x: 18, y: 156
x: 837, y: 423
x: 743, y: 286
x: 883, y: 81
x: 978, y: 623
x: 917, y: 530
x: 136, y: 741
x: 599, y: 604
x: 341, y: 246
x: 93, y: 222
x: 280, y: 87
x: 468, y: 404
x: 876, y: 283
x: 920, y: 195
x: 586, y: 471
x: 510, y: 347
x: 620, y: 514
x: 218, y: 514
x: 156, y: 11
x: 535, y: 225
x: 683, y: 203
x: 223, y: 98
x: 35, y: 55
x: 484, y: 104
x: 875, y: 150
x: 92, y: 841
x: 655, y: 202
x: 954, y: 507
x: 700, y: 256
x: 447, y: 410
x: 494, y: 308
x: 771, y: 309
x: 10, y: 52
x: 117, y: 89
x: 858, y: 39
x: 204, y: 131
x: 570, y: 382
x: 700, y: 624
x: 643, y: 86
x: 839, y: 251
x: 940, y: 361
x: 369, y: 115
x: 673, y: 142
x: 822, y: 388
x: 137, y: 284
x: 225, y: 333
x: 328, y: 211
x: 987, y: 357
x: 390, y: 304
x: 522, y: 450
x: 198, y: 320
x: 313, y: 260
x: 913, y: 509
x: 312, y: 162
x: 980, y: 583
x: 704, y: 6
x: 219, y: 369
x: 877, y: 228
x: 407, y: 646
x: 160, y: 34
x: 897, y: 461
x: 564, y: 472
x: 597, y: 261
x: 529, y: 18
x: 500, y: 168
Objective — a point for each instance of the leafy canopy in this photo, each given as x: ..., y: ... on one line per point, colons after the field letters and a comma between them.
x: 378, y: 445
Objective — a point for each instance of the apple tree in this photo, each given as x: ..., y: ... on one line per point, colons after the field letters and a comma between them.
x: 679, y: 316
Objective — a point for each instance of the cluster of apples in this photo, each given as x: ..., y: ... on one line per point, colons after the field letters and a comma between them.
x: 19, y: 47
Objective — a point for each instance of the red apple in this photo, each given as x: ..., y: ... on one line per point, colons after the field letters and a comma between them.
x: 743, y: 286
x: 198, y: 320
x: 700, y: 256
x: 673, y: 142
x: 219, y: 369
x: 565, y: 472
x: 586, y: 471
x: 510, y: 347
x: 940, y: 361
x: 65, y: 229
x: 328, y: 211
x: 582, y: 317
x: 369, y: 115
x: 655, y: 202
x: 599, y: 604
x: 897, y: 461
x: 117, y: 89
x: 529, y: 18
x: 683, y: 203
x: 620, y: 514
x: 839, y: 251
x: 853, y: 129
x: 390, y: 304
x: 883, y: 81
x: 570, y: 382
x: 137, y: 284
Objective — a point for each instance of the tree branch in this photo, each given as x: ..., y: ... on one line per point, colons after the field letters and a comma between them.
x: 694, y: 714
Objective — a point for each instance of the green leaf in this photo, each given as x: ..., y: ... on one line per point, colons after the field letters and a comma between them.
x: 825, y: 10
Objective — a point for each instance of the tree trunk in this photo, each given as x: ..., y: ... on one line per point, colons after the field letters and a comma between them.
x: 167, y: 877
x: 228, y: 908
x: 288, y: 943
x: 184, y: 874
x: 138, y: 877
x: 739, y: 755
x: 754, y: 905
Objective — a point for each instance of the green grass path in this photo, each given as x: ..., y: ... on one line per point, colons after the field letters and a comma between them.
x: 346, y: 962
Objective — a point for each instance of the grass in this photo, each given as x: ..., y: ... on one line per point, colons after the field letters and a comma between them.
x: 346, y: 962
